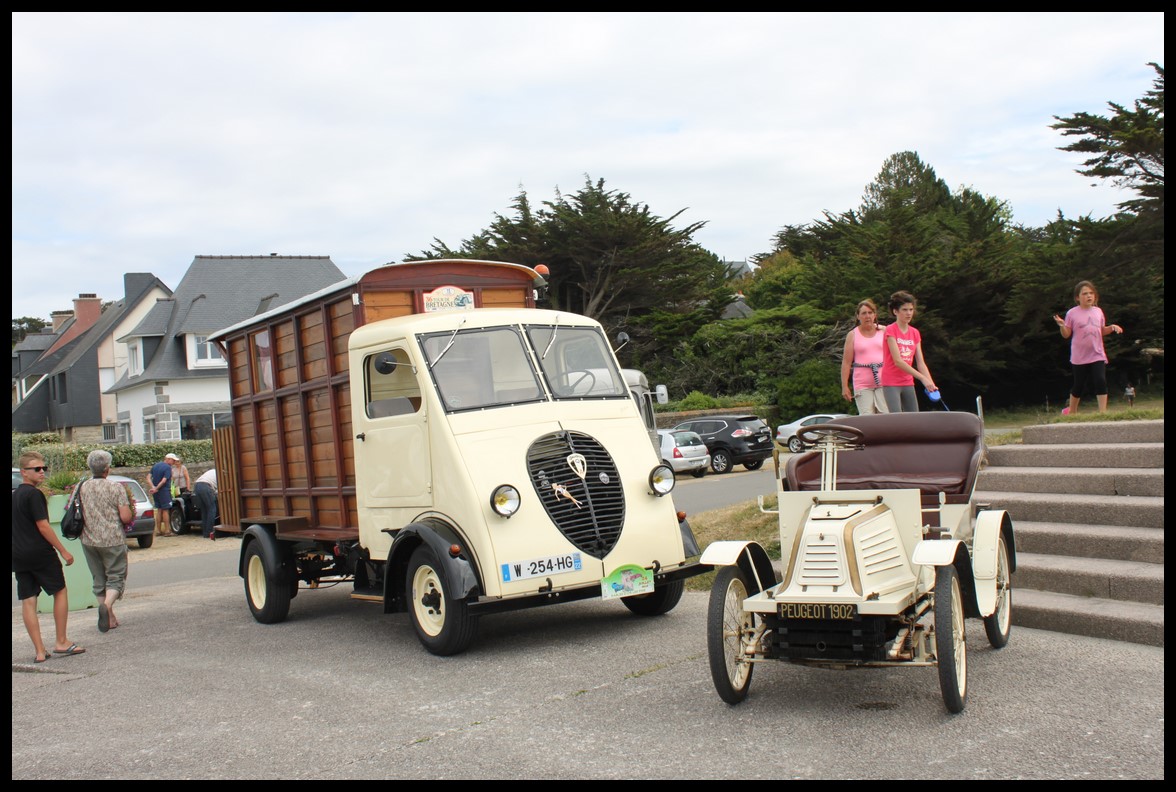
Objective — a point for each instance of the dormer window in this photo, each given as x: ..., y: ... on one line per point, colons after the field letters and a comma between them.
x: 134, y: 359
x: 204, y: 354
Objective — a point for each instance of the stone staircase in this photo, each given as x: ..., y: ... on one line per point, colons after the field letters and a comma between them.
x: 1087, y: 505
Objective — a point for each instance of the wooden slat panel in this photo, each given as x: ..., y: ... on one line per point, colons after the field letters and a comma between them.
x: 225, y: 460
x: 285, y: 355
x: 504, y: 298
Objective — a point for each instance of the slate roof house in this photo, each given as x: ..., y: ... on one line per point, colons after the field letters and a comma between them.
x: 176, y: 384
x: 59, y: 374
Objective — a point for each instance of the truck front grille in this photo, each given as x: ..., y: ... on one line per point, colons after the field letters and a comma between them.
x: 588, y: 509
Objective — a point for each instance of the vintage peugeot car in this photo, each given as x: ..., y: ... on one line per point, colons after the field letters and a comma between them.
x: 884, y: 556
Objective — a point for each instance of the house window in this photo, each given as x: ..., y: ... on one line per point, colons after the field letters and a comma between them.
x: 199, y: 426
x: 62, y: 390
x: 148, y: 430
x: 205, y: 353
x: 109, y: 433
x: 134, y: 366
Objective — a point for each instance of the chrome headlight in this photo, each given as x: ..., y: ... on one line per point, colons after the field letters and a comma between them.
x: 505, y: 500
x: 661, y: 480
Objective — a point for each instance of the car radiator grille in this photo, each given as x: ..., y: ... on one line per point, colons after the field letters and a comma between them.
x: 589, y: 511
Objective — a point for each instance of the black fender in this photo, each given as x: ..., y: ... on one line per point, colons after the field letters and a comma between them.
x: 461, y: 577
x: 963, y: 567
x: 277, y: 555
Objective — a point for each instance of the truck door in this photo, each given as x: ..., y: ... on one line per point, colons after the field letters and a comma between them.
x: 392, y: 460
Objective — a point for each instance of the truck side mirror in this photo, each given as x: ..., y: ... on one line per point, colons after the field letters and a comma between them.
x: 622, y: 339
x: 663, y: 395
x: 385, y: 363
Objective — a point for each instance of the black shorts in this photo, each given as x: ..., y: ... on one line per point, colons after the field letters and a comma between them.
x: 30, y: 582
x: 1092, y: 376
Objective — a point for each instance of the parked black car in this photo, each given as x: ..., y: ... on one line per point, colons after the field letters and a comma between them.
x: 732, y: 440
x: 185, y: 513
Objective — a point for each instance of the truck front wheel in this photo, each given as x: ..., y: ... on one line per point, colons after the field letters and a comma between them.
x: 443, y: 625
x: 661, y: 600
x: 268, y: 597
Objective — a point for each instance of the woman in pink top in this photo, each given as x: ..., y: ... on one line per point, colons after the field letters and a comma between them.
x: 903, y: 362
x: 862, y: 357
x: 1085, y: 325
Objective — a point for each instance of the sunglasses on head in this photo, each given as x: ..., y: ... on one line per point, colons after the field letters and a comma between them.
x: 39, y: 468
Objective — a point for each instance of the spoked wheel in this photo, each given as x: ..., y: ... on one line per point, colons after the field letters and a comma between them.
x: 443, y: 625
x: 795, y: 445
x: 1000, y: 623
x: 265, y: 591
x: 951, y: 651
x: 178, y: 526
x: 726, y: 624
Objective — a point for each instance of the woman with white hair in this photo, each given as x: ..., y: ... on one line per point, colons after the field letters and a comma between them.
x: 108, y: 507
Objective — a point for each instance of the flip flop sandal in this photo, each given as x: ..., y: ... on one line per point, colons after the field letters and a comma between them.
x: 43, y: 659
x: 73, y: 649
x: 103, y: 618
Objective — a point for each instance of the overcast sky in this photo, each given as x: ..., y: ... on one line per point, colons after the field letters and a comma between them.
x: 140, y: 141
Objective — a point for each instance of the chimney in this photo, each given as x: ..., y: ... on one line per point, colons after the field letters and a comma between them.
x: 59, y: 318
x: 87, y: 308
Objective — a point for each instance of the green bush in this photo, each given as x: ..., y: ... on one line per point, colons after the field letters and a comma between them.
x: 695, y: 400
x: 72, y: 456
x: 813, y: 387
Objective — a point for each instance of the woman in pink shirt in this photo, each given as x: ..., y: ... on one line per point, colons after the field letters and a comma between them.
x: 1085, y: 325
x: 903, y: 362
x: 862, y: 357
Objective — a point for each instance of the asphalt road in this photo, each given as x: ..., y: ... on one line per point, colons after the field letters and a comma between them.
x: 191, y: 687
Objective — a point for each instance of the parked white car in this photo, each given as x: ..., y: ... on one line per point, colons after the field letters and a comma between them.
x: 786, y: 434
x: 684, y: 452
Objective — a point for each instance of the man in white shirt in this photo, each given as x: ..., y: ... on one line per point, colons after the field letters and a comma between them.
x: 205, y: 491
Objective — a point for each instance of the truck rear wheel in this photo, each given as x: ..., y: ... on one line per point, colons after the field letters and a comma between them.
x: 661, y: 600
x: 267, y: 595
x: 444, y: 625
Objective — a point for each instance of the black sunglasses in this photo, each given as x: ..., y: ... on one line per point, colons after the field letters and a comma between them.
x: 39, y: 468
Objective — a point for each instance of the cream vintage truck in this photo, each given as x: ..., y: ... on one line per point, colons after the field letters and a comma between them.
x: 428, y: 434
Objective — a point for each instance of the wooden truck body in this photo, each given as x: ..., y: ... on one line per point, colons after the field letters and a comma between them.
x: 426, y: 432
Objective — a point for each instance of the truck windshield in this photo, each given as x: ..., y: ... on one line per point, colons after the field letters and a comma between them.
x: 492, y: 367
x: 578, y: 364
x: 480, y: 368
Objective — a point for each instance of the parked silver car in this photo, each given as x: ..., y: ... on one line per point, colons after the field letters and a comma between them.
x: 684, y: 452
x: 786, y: 434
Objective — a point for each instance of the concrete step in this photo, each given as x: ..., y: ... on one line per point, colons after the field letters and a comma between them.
x: 1141, y: 511
x: 1095, y: 432
x: 1134, y: 622
x: 1078, y: 455
x: 1133, y: 581
x: 1113, y: 542
x: 1087, y: 481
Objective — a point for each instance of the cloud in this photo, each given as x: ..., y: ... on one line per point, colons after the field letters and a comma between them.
x: 142, y: 140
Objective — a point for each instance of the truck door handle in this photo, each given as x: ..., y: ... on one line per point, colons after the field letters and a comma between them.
x: 361, y: 436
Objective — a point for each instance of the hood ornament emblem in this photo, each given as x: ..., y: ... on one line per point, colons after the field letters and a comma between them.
x: 578, y: 464
x: 562, y: 492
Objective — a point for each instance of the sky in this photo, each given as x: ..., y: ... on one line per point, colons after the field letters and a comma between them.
x: 141, y: 140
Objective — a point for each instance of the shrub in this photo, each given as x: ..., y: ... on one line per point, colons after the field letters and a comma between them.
x: 696, y: 400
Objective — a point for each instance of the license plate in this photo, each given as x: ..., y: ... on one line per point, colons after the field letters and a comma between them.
x: 627, y: 581
x: 817, y: 610
x: 541, y: 567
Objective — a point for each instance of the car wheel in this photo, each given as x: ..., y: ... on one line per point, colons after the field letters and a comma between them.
x: 698, y: 473
x: 146, y: 541
x: 727, y: 623
x: 951, y: 651
x: 1000, y: 623
x: 756, y: 465
x: 443, y: 625
x: 721, y: 461
x: 661, y: 600
x: 267, y: 594
x: 178, y: 526
x: 794, y: 445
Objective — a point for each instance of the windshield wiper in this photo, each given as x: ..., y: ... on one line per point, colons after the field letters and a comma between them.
x: 554, y: 330
x: 446, y: 349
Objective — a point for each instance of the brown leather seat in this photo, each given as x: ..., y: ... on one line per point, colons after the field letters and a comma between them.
x: 932, y: 452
